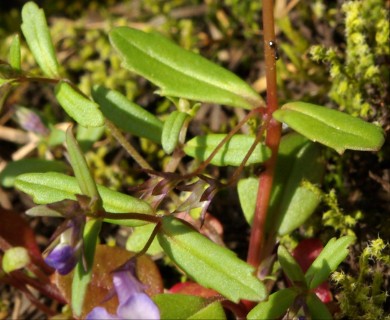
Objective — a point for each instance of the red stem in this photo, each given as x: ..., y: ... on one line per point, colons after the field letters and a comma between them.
x: 257, y: 239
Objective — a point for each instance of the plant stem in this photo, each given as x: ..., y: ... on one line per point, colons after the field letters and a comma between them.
x: 127, y: 146
x: 273, y: 129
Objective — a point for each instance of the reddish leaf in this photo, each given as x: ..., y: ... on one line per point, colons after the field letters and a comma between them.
x: 107, y: 259
x: 305, y: 253
x: 194, y: 289
x: 16, y: 231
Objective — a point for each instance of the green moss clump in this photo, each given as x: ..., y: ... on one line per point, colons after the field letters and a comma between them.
x: 358, y: 75
x: 364, y: 296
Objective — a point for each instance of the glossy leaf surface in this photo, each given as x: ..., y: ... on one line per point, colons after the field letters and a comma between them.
x: 332, y: 128
x: 275, y: 306
x: 291, y: 203
x: 38, y: 38
x: 247, y: 193
x: 330, y: 257
x: 77, y: 106
x: 52, y: 187
x: 127, y: 115
x: 191, y: 307
x: 79, y: 164
x: 171, y: 130
x: 232, y: 152
x: 290, y: 267
x: 208, y: 264
x: 16, y: 168
x: 317, y: 308
x: 180, y: 73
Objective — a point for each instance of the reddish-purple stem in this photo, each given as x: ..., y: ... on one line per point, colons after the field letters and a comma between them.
x: 273, y: 129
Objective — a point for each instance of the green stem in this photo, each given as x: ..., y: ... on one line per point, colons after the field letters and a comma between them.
x: 127, y: 146
x: 273, y: 129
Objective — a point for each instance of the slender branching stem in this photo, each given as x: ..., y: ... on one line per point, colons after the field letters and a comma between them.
x: 127, y: 146
x: 205, y: 163
x: 273, y: 129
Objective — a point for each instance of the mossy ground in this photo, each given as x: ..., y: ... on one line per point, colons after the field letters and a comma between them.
x: 321, y: 47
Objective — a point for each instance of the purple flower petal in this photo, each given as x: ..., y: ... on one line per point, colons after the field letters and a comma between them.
x: 100, y: 313
x: 138, y: 306
x: 126, y: 285
x: 63, y: 258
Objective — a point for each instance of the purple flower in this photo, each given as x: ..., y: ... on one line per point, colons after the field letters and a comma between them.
x: 133, y: 302
x: 67, y: 247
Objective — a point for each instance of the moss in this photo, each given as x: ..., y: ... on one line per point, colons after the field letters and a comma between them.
x: 358, y: 75
x: 363, y: 296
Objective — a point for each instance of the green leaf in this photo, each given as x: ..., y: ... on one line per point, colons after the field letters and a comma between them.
x: 81, y: 170
x: 276, y: 305
x: 247, y: 188
x: 211, y: 311
x: 292, y: 201
x: 208, y: 264
x: 14, y: 53
x: 86, y: 137
x: 299, y: 202
x: 332, y: 128
x: 290, y: 267
x: 16, y: 168
x: 171, y: 130
x: 15, y: 258
x: 318, y: 310
x: 191, y: 307
x: 82, y: 276
x: 180, y: 73
x: 38, y: 38
x: 127, y: 115
x: 328, y: 260
x: 232, y: 152
x: 140, y: 236
x: 80, y: 108
x: 247, y: 194
x: 52, y: 187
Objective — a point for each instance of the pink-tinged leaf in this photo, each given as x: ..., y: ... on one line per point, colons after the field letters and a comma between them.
x: 108, y: 259
x: 194, y: 289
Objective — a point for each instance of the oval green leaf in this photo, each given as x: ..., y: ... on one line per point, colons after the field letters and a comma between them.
x: 86, y: 137
x: 191, y: 307
x: 52, y: 187
x: 181, y: 73
x: 332, y: 128
x: 38, y: 38
x: 209, y: 264
x: 77, y: 106
x: 330, y: 257
x: 16, y: 168
x: 232, y: 152
x: 127, y: 115
x: 275, y: 306
x: 81, y: 170
x: 14, y: 56
x: 299, y: 201
x: 290, y: 267
x: 318, y: 310
x: 15, y: 258
x: 247, y: 194
x: 171, y: 130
